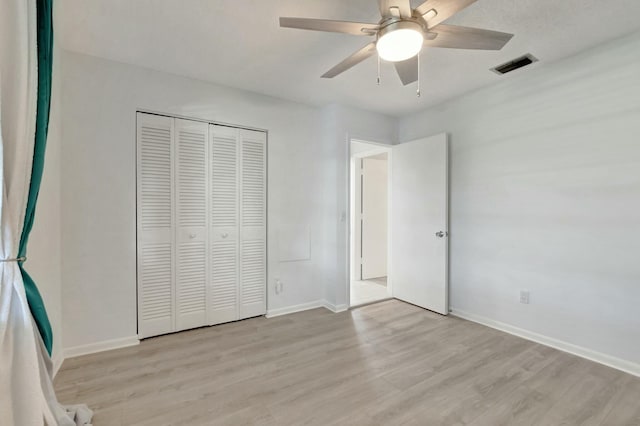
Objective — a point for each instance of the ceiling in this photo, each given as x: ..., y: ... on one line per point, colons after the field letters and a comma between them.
x: 238, y: 43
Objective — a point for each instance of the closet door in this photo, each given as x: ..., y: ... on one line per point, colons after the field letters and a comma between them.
x: 253, y: 238
x: 191, y: 149
x: 155, y: 224
x: 224, y: 220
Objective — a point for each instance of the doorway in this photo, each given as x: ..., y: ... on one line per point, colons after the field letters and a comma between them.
x: 417, y: 217
x: 369, y: 207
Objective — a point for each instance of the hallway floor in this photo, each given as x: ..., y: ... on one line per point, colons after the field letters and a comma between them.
x: 368, y: 291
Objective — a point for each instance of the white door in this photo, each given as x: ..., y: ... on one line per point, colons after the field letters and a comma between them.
x: 201, y: 224
x: 156, y: 254
x: 253, y: 220
x: 374, y: 217
x: 419, y: 223
x: 224, y: 219
x: 191, y: 222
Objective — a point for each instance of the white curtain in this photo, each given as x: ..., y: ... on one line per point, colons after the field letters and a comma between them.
x: 22, y: 401
x: 26, y: 390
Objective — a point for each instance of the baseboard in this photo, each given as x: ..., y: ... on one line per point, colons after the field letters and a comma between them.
x: 335, y: 308
x: 106, y: 345
x: 295, y: 308
x: 608, y: 360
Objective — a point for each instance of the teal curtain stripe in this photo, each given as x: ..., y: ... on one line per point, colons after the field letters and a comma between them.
x: 45, y: 68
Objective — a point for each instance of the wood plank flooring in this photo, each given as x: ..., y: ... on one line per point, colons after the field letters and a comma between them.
x: 384, y: 364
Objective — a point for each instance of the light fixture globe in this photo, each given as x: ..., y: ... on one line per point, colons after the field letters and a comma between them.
x: 400, y: 41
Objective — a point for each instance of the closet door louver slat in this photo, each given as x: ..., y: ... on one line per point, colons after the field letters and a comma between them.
x: 192, y: 236
x: 155, y: 225
x: 253, y: 255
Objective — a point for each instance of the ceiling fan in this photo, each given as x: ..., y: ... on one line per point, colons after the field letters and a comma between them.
x: 402, y: 32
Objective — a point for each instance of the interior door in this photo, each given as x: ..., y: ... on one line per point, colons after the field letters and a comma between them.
x: 155, y: 223
x: 253, y: 221
x: 224, y: 219
x: 419, y: 223
x: 191, y: 149
x: 374, y: 217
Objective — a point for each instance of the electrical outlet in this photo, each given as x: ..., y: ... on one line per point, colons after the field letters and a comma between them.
x: 524, y: 297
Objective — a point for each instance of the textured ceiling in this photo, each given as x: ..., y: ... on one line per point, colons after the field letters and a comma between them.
x: 238, y: 43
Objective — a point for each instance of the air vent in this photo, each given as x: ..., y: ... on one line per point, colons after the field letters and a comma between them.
x: 513, y: 65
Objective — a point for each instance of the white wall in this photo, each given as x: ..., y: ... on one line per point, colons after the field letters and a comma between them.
x: 545, y: 196
x: 98, y: 185
x: 375, y: 207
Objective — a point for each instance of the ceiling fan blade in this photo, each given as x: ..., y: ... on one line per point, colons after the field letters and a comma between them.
x: 407, y: 70
x: 346, y: 27
x: 352, y: 60
x: 396, y: 8
x: 456, y: 37
x: 436, y: 11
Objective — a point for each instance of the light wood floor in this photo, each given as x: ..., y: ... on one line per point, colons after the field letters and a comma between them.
x: 385, y: 364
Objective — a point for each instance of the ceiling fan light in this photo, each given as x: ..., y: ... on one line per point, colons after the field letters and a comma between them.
x: 400, y: 44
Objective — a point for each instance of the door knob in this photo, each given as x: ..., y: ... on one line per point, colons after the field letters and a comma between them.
x: 225, y: 235
x: 192, y: 236
x: 441, y: 234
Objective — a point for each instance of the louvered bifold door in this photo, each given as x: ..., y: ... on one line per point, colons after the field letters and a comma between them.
x: 155, y: 226
x: 224, y: 224
x: 253, y: 219
x: 191, y: 221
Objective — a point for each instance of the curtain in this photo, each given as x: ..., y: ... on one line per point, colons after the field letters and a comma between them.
x: 26, y: 389
x: 22, y: 402
x: 45, y: 68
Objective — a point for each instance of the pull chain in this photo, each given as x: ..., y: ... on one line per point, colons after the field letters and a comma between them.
x: 378, y: 70
x: 418, y: 92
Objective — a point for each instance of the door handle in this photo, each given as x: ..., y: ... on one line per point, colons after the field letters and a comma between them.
x: 442, y: 234
x: 192, y: 236
x: 224, y: 235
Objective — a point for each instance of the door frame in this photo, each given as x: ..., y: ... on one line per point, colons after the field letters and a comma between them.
x: 377, y: 148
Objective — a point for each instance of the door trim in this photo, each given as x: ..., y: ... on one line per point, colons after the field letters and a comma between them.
x: 378, y: 148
